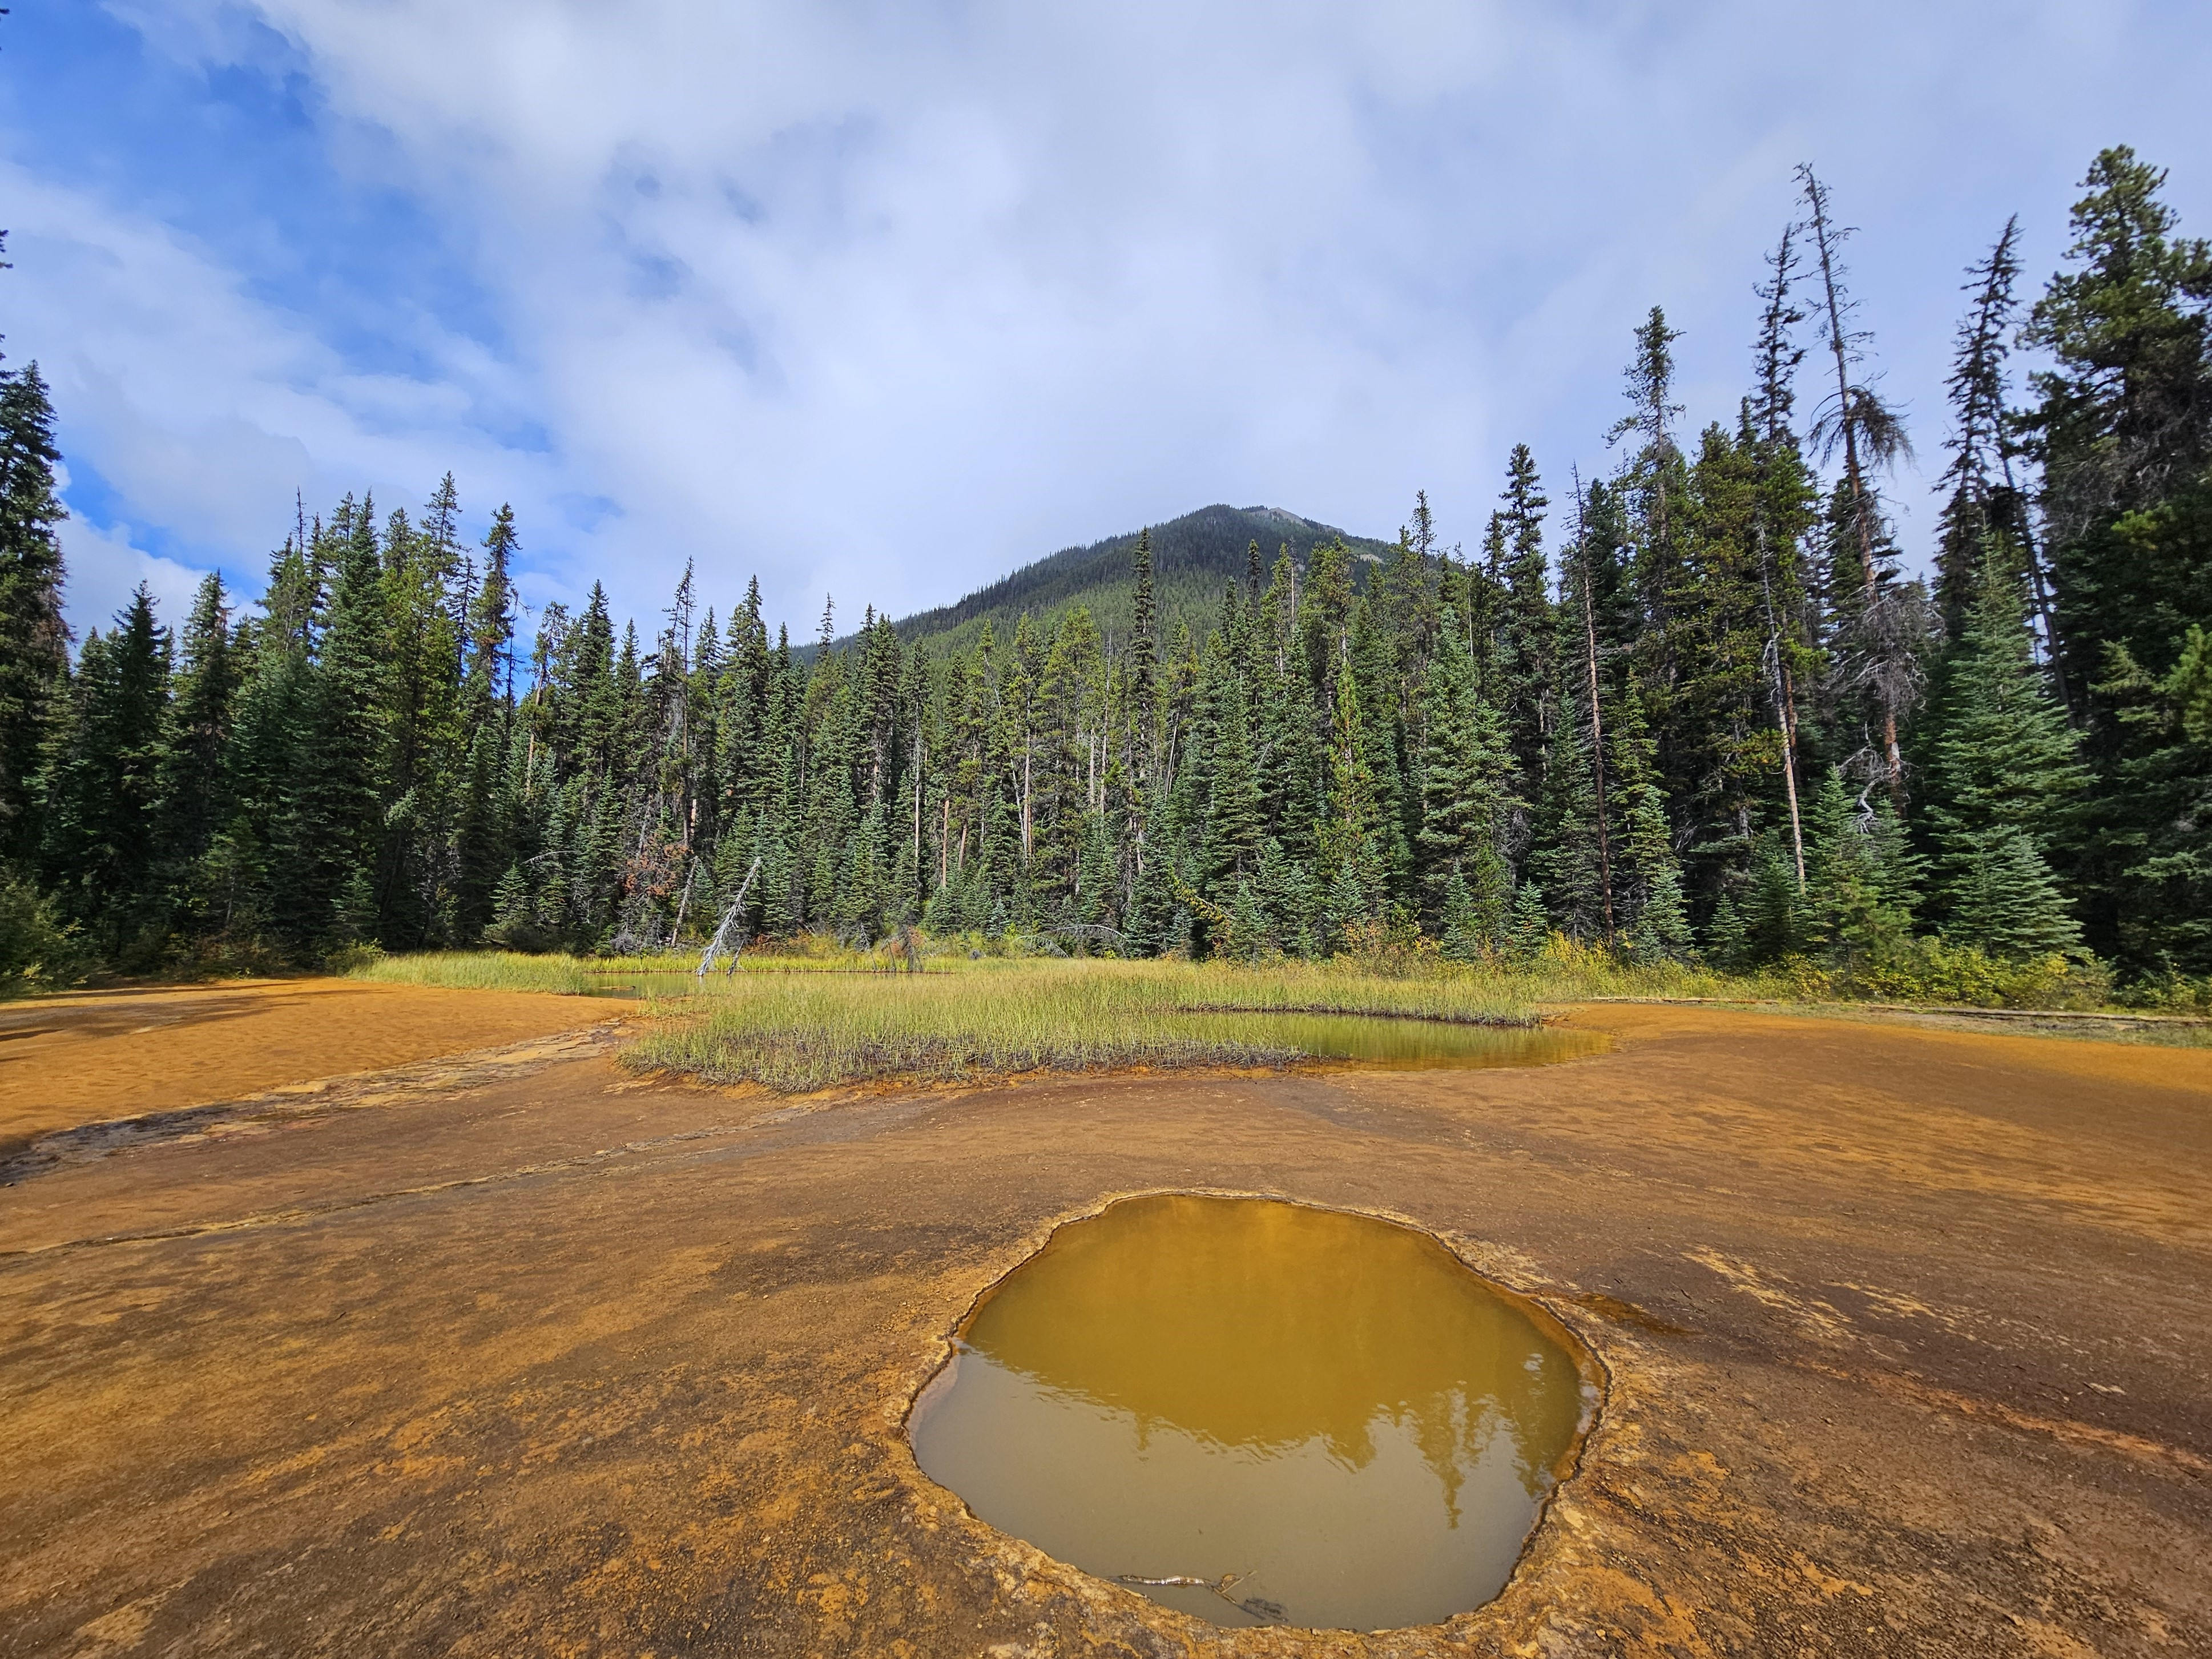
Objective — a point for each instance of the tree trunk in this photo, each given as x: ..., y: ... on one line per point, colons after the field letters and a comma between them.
x: 1862, y: 517
x: 1597, y: 728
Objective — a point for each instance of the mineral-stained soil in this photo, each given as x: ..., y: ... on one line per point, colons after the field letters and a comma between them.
x: 1906, y: 1333
x: 94, y: 1056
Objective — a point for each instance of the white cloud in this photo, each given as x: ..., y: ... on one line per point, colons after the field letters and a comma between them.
x: 204, y: 410
x: 105, y: 569
x: 887, y: 299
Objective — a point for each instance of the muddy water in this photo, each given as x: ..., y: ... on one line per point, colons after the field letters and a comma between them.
x: 1322, y: 1419
x: 1392, y: 1043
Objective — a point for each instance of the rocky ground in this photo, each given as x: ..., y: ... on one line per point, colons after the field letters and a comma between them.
x: 1906, y: 1332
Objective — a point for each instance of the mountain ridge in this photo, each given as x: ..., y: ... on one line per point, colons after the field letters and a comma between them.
x: 1195, y: 556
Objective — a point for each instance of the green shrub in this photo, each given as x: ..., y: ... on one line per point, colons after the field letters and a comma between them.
x: 37, y: 951
x: 2169, y: 993
x: 1928, y: 970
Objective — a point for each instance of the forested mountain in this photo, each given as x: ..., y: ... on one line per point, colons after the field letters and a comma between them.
x: 1192, y: 558
x: 1690, y: 708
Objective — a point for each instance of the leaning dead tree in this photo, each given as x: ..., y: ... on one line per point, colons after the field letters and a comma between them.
x: 729, y: 921
x: 1879, y: 656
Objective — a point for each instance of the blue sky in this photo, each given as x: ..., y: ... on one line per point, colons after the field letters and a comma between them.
x: 884, y: 300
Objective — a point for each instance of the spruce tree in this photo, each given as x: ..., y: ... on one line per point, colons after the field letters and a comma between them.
x: 2164, y: 788
x: 2123, y: 426
x: 1531, y: 929
x: 1465, y: 772
x: 1525, y: 676
x: 1860, y: 877
x: 1653, y: 914
x: 101, y: 786
x: 1653, y: 483
x: 34, y: 640
x: 1564, y: 857
x: 1782, y: 515
x: 2002, y: 770
x: 1979, y: 505
x: 332, y: 809
x: 1235, y: 824
x: 1723, y: 753
x: 1351, y: 859
x: 193, y: 788
x: 425, y: 740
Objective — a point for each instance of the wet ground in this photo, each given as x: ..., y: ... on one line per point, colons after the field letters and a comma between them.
x: 1906, y: 1332
x: 92, y: 1055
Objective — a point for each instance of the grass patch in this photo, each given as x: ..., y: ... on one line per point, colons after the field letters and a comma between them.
x: 814, y: 1016
x: 481, y: 971
x: 796, y: 1033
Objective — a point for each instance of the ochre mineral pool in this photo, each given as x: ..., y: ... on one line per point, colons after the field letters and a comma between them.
x: 1396, y: 1044
x: 1259, y: 1413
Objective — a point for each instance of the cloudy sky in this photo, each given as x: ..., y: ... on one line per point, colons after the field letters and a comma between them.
x: 885, y: 298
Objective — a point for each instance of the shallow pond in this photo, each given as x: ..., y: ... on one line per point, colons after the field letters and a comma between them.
x: 1383, y: 1040
x: 1309, y: 1418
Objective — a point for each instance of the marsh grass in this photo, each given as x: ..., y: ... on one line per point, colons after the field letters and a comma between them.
x: 481, y: 971
x: 801, y: 1032
x: 662, y: 974
x: 814, y: 1016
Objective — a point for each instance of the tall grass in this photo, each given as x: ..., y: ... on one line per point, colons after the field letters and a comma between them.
x: 802, y: 1032
x: 800, y: 1020
x: 480, y: 970
x: 1353, y: 982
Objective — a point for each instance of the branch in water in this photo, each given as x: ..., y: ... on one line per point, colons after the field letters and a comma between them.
x: 1220, y: 1586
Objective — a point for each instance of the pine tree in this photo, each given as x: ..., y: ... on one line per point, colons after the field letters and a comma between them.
x: 193, y: 788
x: 331, y: 810
x: 1723, y: 751
x: 1234, y: 824
x: 2165, y: 789
x: 1653, y: 481
x: 1782, y: 511
x: 1564, y: 858
x: 2124, y: 429
x: 1351, y: 864
x: 100, y: 781
x: 1860, y: 877
x: 1467, y: 883
x: 2001, y: 768
x: 1980, y: 504
x: 34, y: 640
x: 1653, y: 914
x: 1525, y: 676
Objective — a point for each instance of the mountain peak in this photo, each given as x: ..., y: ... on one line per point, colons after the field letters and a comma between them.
x: 1193, y: 557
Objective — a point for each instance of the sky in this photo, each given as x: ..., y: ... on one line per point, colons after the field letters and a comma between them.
x: 883, y: 299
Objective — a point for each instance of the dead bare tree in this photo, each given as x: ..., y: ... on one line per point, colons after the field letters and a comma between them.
x: 1870, y: 433
x: 729, y: 920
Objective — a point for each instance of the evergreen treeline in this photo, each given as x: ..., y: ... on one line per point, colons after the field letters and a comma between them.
x: 1690, y: 708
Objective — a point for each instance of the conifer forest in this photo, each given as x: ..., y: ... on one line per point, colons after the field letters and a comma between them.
x: 1695, y: 708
